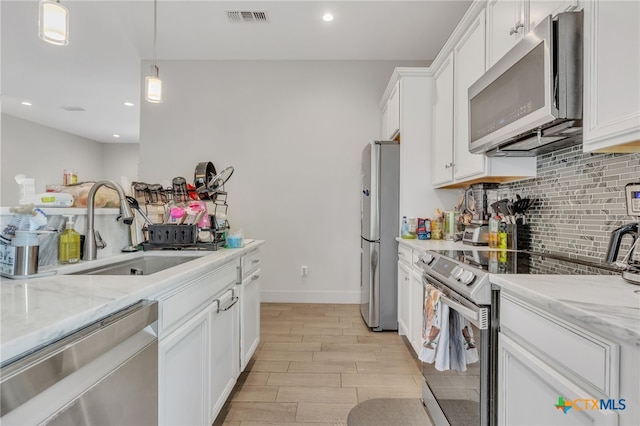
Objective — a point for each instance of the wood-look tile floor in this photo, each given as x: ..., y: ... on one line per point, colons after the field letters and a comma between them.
x: 315, y: 362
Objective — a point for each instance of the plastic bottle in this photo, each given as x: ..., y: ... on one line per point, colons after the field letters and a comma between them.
x: 502, y: 236
x: 69, y: 244
x: 404, y: 229
x: 494, y: 227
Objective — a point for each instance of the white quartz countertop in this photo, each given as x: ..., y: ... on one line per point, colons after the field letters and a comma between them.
x: 606, y: 303
x: 38, y: 311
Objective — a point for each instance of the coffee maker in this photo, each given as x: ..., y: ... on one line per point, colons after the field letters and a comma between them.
x: 477, y: 199
x: 631, y: 271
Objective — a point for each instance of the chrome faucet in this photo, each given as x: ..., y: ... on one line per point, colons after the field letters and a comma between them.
x: 93, y: 241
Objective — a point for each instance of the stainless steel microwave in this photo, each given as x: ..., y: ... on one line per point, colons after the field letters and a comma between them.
x: 530, y: 101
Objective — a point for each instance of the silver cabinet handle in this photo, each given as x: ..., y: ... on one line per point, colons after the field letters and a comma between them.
x: 515, y: 29
x: 255, y: 277
x: 254, y: 261
x: 448, y: 166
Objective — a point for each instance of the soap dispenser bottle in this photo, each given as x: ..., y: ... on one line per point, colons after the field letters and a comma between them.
x: 69, y: 245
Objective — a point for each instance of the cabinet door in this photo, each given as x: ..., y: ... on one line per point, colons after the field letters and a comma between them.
x: 404, y: 305
x: 442, y: 144
x: 416, y: 302
x: 250, y: 317
x: 612, y: 76
x: 183, y: 374
x: 385, y: 121
x: 505, y: 26
x: 225, y: 345
x: 393, y: 110
x: 469, y: 59
x: 529, y: 391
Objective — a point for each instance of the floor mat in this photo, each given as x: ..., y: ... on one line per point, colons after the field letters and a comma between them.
x: 461, y: 412
x: 389, y: 412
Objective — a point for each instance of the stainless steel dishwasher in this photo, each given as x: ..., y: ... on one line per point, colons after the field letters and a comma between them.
x: 103, y: 374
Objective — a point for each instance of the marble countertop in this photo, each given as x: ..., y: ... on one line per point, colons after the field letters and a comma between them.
x: 38, y: 311
x: 603, y: 302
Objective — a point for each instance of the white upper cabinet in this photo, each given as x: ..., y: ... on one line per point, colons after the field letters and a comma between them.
x: 442, y: 143
x: 509, y: 20
x: 469, y: 60
x: 393, y: 112
x: 505, y: 26
x: 460, y: 63
x: 611, y: 76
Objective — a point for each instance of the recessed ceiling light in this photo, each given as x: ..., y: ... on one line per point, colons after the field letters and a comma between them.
x: 129, y: 104
x: 115, y: 135
x: 327, y: 17
x: 26, y: 103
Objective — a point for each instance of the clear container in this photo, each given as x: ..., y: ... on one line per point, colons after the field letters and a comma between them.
x: 451, y: 224
x: 437, y: 226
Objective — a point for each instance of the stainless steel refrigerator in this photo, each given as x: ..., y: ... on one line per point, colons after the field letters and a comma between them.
x: 379, y: 218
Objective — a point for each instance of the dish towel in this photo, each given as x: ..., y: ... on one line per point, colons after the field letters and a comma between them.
x: 447, y: 337
x: 435, y: 342
x: 463, y: 346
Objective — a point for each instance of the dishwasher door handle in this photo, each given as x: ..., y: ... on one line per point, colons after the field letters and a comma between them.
x: 28, y: 376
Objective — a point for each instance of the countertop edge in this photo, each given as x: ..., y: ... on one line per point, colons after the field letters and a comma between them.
x: 102, y: 305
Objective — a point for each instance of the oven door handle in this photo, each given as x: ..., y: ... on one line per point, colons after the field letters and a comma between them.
x: 478, y: 316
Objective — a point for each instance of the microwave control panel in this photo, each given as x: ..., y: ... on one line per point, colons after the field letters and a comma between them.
x: 632, y: 191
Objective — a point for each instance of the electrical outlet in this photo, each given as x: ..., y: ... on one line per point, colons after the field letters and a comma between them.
x: 304, y: 271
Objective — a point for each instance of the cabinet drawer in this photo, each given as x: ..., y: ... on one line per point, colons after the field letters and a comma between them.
x: 187, y: 302
x: 415, y: 258
x: 404, y: 254
x: 250, y: 262
x: 570, y: 348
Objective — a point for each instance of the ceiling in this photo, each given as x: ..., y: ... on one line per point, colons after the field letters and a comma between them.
x: 100, y: 69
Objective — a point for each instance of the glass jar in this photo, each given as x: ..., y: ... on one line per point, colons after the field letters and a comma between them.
x: 437, y: 227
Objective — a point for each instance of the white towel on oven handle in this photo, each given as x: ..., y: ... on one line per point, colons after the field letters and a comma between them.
x: 435, y: 327
x: 462, y: 342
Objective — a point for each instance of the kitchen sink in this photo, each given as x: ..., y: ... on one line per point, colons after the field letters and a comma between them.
x: 145, y: 265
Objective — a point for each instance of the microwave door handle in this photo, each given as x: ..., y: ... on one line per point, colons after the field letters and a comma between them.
x: 556, y: 93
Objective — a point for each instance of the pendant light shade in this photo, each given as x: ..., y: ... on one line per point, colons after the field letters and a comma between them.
x: 53, y: 23
x: 153, y: 88
x: 153, y: 84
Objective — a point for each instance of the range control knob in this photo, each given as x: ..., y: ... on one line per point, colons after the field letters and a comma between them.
x: 457, y: 272
x: 427, y: 258
x: 467, y: 277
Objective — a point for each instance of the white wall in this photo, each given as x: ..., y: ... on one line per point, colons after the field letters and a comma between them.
x: 43, y: 153
x: 294, y: 132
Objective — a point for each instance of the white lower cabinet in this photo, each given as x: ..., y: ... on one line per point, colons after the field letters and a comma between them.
x: 199, y: 343
x: 545, y: 361
x: 250, y: 320
x: 410, y: 297
x: 249, y: 306
x: 404, y: 299
x: 224, y: 332
x: 416, y: 299
x: 183, y: 370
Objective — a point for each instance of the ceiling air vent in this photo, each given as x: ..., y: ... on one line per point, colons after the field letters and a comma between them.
x: 72, y: 108
x: 247, y: 16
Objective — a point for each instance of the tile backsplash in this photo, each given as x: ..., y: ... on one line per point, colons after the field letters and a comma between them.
x: 580, y: 200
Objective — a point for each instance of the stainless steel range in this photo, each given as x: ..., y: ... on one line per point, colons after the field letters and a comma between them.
x: 467, y: 397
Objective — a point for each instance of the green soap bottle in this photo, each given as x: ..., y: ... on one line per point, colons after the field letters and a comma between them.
x: 69, y: 245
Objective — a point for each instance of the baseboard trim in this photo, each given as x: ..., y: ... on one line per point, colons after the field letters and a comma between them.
x: 282, y: 296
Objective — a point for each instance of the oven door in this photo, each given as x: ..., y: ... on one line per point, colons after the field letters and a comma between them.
x: 460, y: 397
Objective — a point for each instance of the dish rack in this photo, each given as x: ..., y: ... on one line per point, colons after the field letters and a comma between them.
x: 154, y: 199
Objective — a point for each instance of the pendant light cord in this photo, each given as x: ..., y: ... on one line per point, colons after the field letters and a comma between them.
x: 155, y: 31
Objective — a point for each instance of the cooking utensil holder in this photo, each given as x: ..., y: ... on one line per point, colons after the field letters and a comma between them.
x: 173, y: 235
x: 518, y: 237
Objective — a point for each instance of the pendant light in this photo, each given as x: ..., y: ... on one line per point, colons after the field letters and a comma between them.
x: 153, y: 84
x: 53, y: 22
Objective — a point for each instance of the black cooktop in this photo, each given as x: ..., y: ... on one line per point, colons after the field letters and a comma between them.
x: 527, y: 262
